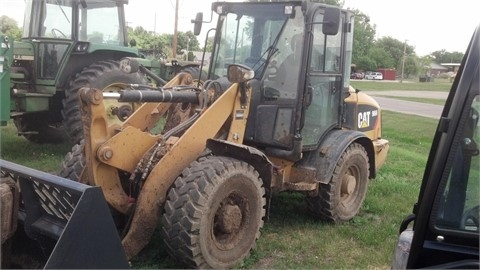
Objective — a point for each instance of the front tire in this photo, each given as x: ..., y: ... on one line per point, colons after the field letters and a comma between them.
x: 214, y: 213
x: 341, y: 199
x: 74, y: 163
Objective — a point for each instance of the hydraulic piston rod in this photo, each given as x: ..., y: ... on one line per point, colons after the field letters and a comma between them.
x: 154, y: 96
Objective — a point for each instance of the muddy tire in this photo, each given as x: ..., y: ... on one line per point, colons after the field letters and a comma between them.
x: 37, y: 128
x: 98, y: 75
x: 74, y: 163
x: 214, y: 213
x: 341, y: 199
x: 195, y: 72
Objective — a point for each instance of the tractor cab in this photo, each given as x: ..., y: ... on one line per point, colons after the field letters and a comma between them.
x: 55, y: 29
x: 300, y: 53
x: 91, y: 21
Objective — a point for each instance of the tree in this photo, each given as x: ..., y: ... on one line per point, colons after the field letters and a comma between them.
x: 412, y: 66
x: 443, y: 56
x: 363, y: 36
x: 187, y: 41
x: 365, y: 63
x: 209, y: 44
x: 162, y: 43
x: 395, y: 49
x: 381, y: 57
x: 9, y: 26
x: 423, y: 65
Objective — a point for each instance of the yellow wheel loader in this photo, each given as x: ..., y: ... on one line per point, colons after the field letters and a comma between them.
x: 204, y: 160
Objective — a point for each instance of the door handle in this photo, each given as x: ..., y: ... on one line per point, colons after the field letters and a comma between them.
x: 309, y: 96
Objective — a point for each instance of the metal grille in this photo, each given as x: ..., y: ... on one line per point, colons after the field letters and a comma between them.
x: 56, y: 202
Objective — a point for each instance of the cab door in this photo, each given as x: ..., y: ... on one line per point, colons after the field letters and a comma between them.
x: 323, y: 83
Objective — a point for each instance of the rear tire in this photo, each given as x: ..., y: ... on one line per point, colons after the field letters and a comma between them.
x: 214, y: 213
x: 341, y: 199
x: 98, y: 75
x: 195, y: 72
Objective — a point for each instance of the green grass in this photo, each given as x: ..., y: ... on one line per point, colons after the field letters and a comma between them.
x: 45, y: 157
x: 367, y: 85
x: 293, y: 238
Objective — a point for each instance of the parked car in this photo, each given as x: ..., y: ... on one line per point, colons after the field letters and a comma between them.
x: 356, y: 76
x: 374, y: 76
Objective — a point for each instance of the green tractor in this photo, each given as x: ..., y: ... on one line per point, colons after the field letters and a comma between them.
x: 67, y: 45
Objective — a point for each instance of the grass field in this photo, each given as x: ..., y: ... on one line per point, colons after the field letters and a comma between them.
x: 293, y: 238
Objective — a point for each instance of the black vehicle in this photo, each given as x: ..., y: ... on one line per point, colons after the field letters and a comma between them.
x: 445, y: 232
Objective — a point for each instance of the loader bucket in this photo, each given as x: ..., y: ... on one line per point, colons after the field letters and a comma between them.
x: 69, y: 222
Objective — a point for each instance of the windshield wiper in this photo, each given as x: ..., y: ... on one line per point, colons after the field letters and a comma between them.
x: 271, y: 50
x: 64, y: 14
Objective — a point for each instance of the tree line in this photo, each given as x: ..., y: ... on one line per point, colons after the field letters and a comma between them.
x: 368, y: 53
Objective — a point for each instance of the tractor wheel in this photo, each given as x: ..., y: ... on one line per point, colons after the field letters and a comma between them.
x: 341, y: 199
x: 214, y: 213
x: 37, y: 128
x: 195, y: 72
x: 99, y: 75
x: 73, y: 164
x: 181, y: 111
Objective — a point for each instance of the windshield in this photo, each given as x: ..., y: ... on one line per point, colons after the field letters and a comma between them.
x: 50, y: 19
x: 98, y: 21
x: 248, y: 36
x: 101, y: 24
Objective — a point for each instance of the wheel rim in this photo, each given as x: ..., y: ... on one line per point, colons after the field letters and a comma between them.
x: 349, y: 185
x: 117, y: 112
x: 230, y: 221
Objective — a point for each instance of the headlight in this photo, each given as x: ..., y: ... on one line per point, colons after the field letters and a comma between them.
x: 81, y: 47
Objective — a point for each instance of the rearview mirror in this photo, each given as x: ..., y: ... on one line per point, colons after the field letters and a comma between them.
x: 197, y: 27
x: 239, y: 73
x: 331, y: 21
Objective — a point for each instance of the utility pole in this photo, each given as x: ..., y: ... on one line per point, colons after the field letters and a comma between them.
x: 174, y: 43
x: 403, y: 60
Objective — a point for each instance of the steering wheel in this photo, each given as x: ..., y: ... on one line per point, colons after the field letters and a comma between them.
x: 271, y: 72
x: 58, y: 30
x: 470, y: 218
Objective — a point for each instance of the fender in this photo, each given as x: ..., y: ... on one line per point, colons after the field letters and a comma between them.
x: 252, y: 156
x: 326, y: 156
x: 249, y: 154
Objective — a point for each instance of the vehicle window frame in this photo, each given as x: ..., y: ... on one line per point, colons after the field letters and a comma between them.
x: 447, y: 171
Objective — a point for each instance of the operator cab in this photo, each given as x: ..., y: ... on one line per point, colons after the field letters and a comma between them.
x: 57, y: 27
x: 300, y: 55
x: 86, y: 20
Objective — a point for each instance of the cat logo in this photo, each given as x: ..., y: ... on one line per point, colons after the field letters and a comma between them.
x: 364, y: 118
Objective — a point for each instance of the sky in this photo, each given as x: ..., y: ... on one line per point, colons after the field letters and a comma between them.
x: 428, y: 25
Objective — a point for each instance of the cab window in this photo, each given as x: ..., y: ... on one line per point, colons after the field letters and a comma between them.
x: 458, y: 203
